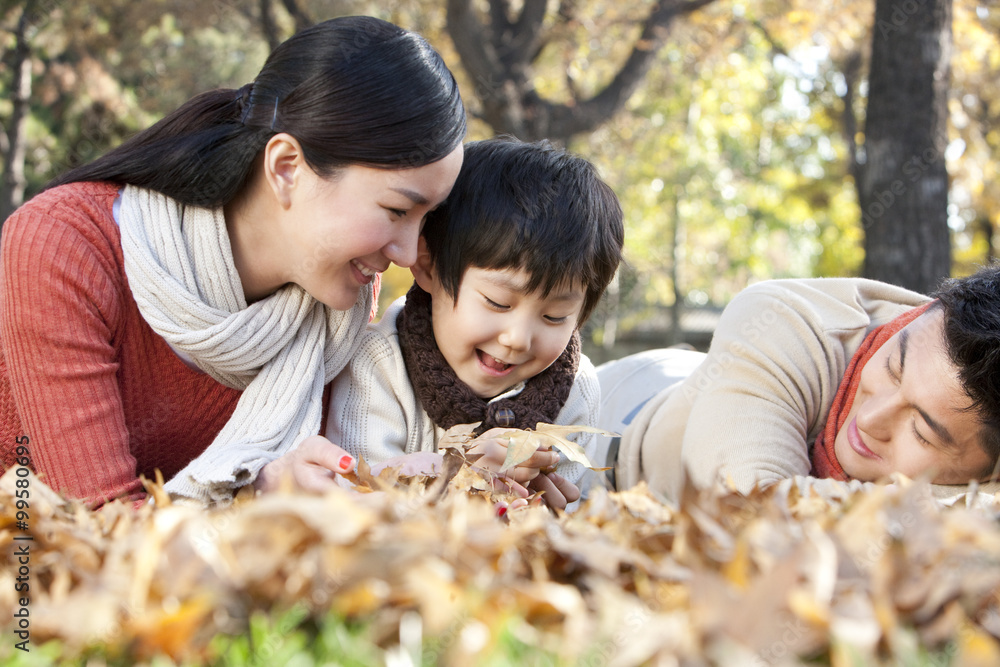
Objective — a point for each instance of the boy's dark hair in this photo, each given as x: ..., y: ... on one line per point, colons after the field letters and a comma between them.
x: 971, y: 308
x: 528, y: 206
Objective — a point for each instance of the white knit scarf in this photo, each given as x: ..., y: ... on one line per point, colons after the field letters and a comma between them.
x: 281, y: 351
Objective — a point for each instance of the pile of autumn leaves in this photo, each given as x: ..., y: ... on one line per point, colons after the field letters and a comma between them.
x: 779, y: 577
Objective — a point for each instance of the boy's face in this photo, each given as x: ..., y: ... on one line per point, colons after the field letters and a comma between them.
x: 495, y: 334
x: 909, y: 413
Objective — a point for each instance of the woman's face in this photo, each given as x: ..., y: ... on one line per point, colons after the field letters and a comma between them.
x: 347, y: 228
x: 909, y: 414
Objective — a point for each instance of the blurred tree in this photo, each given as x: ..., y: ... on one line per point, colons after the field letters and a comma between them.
x: 903, y: 178
x: 500, y: 55
x: 13, y: 143
x: 731, y: 157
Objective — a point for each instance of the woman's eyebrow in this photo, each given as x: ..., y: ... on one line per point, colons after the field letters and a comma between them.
x: 412, y: 195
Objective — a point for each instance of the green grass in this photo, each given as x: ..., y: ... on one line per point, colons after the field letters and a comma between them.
x: 290, y: 639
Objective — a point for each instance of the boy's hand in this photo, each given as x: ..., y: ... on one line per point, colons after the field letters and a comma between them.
x: 494, y: 453
x: 559, y: 491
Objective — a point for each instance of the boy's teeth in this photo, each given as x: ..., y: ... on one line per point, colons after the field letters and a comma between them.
x: 494, y: 363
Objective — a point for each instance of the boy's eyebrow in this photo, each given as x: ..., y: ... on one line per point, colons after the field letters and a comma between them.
x: 522, y: 288
x: 413, y: 196
x: 937, y: 427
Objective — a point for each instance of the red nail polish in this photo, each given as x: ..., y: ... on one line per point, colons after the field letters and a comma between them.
x: 345, y: 462
x: 501, y: 511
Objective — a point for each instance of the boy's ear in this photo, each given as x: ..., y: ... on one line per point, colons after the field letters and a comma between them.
x: 423, y: 268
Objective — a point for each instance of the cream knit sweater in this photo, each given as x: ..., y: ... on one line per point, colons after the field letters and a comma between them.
x: 751, y: 410
x: 375, y: 414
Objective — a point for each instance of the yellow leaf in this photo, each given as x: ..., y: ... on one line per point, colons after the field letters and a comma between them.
x: 520, y: 447
x: 555, y: 436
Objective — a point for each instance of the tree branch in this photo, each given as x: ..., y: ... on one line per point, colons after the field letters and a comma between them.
x: 268, y: 25
x: 302, y: 19
x: 526, y: 34
x: 587, y: 114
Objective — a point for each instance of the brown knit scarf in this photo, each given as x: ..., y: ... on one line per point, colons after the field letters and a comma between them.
x: 825, y: 463
x: 449, y: 401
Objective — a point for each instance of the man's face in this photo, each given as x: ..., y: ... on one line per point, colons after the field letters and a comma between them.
x: 910, y: 412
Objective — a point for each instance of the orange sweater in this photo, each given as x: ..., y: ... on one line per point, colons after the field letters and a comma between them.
x: 100, y: 395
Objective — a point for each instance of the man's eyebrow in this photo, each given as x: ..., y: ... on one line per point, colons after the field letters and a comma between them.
x: 904, y: 339
x: 937, y: 427
x: 412, y: 195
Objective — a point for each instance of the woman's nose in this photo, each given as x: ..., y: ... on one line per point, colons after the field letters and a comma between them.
x: 402, y: 249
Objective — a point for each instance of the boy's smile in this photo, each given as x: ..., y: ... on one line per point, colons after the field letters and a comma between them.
x: 495, y: 334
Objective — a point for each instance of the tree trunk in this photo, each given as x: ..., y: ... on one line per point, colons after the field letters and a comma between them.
x: 13, y: 183
x: 903, y: 188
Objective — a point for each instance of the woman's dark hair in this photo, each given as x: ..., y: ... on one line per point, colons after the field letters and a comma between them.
x: 971, y: 308
x: 528, y: 206
x: 351, y: 90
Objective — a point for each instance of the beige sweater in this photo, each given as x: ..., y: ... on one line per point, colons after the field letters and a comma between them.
x: 751, y: 410
x: 375, y: 414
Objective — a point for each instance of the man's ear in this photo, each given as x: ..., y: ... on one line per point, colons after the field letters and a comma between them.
x: 283, y: 164
x: 423, y: 268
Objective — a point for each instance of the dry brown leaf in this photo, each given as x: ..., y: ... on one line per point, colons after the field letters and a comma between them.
x: 773, y: 577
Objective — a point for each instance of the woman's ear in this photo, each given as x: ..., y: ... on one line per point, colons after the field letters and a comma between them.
x: 423, y: 268
x: 283, y: 164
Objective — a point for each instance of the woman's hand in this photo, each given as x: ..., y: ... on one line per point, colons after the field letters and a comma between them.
x: 311, y: 467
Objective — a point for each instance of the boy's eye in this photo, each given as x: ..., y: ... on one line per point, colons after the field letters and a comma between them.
x: 493, y: 304
x: 556, y: 320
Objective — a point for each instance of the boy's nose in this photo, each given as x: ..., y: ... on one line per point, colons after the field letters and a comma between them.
x: 516, y: 336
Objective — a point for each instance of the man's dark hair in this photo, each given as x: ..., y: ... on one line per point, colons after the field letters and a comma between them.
x: 971, y: 308
x: 528, y: 206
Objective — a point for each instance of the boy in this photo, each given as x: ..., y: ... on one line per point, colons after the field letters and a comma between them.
x: 508, y: 270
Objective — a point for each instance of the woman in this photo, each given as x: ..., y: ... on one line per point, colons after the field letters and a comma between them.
x: 180, y: 303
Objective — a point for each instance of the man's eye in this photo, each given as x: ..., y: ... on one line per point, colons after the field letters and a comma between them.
x: 888, y: 369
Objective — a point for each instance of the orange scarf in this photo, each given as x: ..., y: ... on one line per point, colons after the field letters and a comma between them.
x: 825, y: 463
